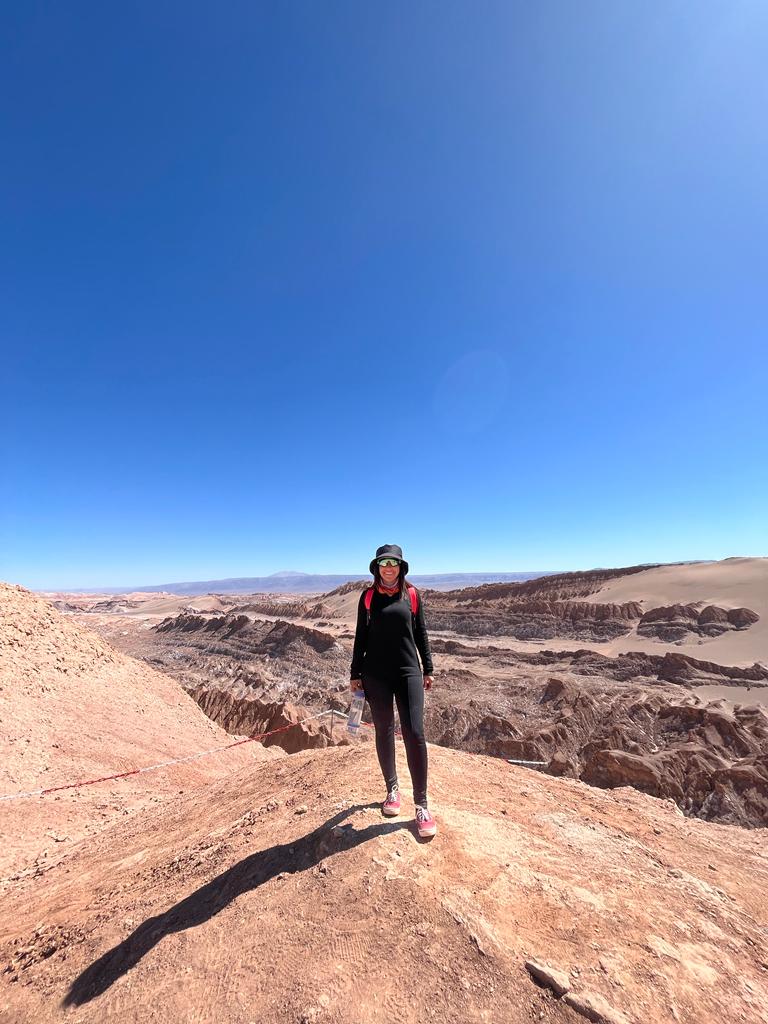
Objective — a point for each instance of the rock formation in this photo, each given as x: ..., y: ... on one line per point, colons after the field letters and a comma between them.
x: 250, y: 716
x: 678, y: 621
x: 535, y: 620
x: 272, y: 660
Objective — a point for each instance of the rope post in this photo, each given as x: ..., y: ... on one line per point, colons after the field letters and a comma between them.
x: 333, y: 719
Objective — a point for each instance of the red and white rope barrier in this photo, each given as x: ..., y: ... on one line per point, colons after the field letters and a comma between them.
x: 160, y: 764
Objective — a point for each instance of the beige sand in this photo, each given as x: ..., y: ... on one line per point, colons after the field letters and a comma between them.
x: 730, y: 583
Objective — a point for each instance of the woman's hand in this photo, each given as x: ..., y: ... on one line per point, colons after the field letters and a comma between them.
x: 428, y: 680
x: 355, y: 684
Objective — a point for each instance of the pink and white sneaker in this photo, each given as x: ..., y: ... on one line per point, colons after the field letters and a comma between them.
x: 391, y: 806
x: 425, y: 822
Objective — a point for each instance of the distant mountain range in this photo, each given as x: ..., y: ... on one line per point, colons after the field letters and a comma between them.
x: 310, y: 583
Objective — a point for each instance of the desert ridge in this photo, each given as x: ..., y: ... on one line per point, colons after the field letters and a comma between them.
x: 73, y: 708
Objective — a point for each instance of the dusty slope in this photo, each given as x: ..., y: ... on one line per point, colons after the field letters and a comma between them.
x: 341, y: 603
x: 283, y: 895
x: 730, y: 583
x: 71, y: 708
x: 136, y: 604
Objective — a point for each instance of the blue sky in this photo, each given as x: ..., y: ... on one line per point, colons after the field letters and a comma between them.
x: 281, y: 282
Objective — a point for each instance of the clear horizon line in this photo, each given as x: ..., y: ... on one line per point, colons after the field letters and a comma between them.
x: 474, y: 572
x: 351, y: 575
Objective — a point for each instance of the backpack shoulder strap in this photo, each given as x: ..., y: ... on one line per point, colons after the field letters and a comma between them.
x: 413, y: 596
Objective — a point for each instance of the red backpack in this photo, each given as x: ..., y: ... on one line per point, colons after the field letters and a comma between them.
x: 412, y: 594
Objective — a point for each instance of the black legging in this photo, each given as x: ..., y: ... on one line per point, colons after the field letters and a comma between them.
x: 408, y: 691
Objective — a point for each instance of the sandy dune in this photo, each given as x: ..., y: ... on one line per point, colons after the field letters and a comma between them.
x: 730, y: 583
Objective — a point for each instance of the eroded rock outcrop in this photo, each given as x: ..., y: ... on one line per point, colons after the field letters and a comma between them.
x: 680, y: 668
x: 277, y: 661
x: 712, y: 760
x: 564, y: 586
x: 283, y: 609
x: 537, y: 620
x: 294, y: 727
x: 540, y: 609
x: 105, y: 606
x: 675, y: 622
x: 265, y: 636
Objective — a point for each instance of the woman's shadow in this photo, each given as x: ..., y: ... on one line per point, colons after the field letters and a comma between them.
x: 204, y: 903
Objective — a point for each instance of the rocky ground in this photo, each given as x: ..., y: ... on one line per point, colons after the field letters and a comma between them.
x: 282, y: 895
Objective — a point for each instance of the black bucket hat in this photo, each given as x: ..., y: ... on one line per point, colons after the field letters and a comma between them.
x: 390, y: 551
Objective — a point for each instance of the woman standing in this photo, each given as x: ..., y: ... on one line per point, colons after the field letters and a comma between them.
x: 390, y: 631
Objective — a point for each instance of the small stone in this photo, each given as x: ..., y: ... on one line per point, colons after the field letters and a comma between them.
x: 592, y: 1006
x: 558, y: 981
x: 301, y: 809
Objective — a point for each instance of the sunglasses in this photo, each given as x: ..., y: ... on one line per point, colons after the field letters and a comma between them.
x: 388, y: 561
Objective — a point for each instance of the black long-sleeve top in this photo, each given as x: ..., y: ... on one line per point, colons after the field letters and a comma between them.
x: 388, y: 644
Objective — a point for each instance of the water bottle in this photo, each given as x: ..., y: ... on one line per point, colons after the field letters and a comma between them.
x: 356, y: 712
